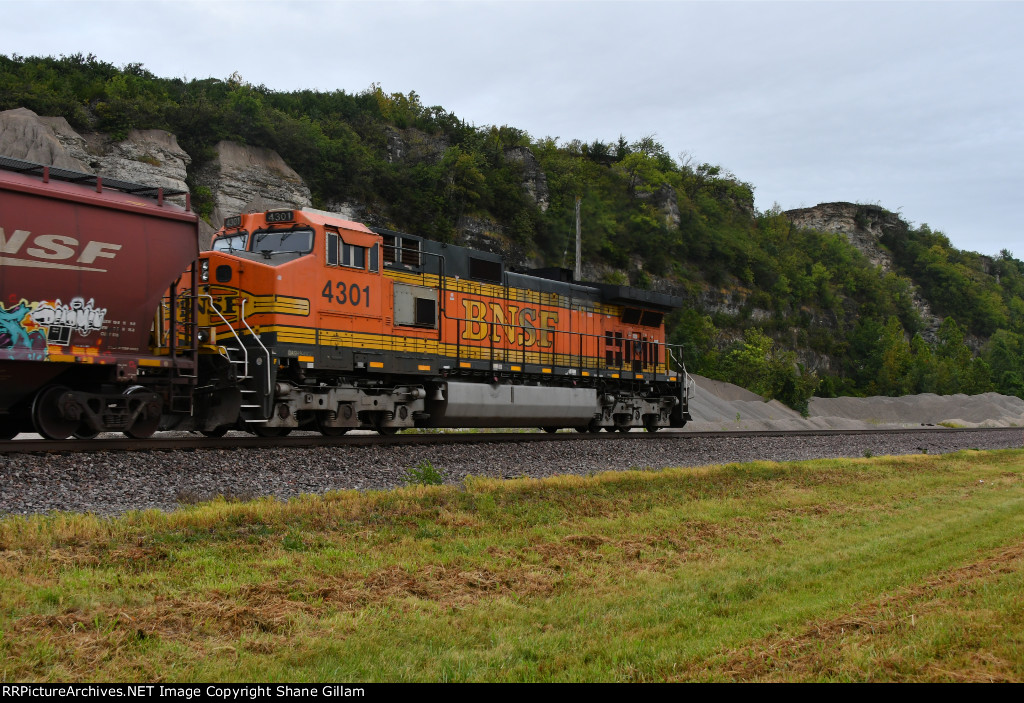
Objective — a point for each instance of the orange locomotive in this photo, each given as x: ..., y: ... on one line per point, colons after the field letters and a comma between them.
x: 307, y: 320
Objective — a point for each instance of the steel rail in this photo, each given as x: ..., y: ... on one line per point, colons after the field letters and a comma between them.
x: 197, y: 442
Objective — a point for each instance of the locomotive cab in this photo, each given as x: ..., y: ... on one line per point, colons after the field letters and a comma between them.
x: 276, y: 292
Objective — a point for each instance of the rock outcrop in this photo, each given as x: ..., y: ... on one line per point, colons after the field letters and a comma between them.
x: 246, y: 178
x: 151, y: 156
x: 535, y: 183
x: 414, y: 145
x: 27, y: 136
x: 863, y: 226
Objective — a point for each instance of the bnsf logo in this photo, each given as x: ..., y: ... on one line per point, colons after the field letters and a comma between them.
x: 46, y: 250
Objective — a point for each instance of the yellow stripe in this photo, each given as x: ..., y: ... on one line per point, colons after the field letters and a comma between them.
x: 383, y: 342
x: 306, y: 358
x: 421, y: 367
x: 150, y: 362
x: 376, y: 365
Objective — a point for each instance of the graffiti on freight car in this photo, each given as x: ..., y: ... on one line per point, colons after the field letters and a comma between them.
x: 61, y: 319
x: 28, y: 328
x: 18, y: 331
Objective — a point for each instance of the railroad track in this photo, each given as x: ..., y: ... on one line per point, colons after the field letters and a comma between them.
x: 197, y: 442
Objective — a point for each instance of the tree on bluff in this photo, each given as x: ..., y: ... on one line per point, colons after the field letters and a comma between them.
x: 757, y: 365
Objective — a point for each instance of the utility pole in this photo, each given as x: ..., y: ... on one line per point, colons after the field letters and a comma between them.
x: 578, y: 273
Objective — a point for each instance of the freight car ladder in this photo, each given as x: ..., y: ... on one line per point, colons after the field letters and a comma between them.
x: 184, y: 375
x: 255, y: 400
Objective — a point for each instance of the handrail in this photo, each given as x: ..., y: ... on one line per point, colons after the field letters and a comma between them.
x: 245, y: 352
x: 241, y: 316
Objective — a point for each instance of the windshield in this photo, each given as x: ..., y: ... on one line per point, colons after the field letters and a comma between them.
x: 236, y: 242
x: 297, y: 240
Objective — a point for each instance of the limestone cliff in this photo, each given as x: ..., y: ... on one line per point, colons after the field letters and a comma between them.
x: 534, y: 181
x: 24, y: 135
x: 862, y: 225
x: 150, y: 156
x: 245, y: 178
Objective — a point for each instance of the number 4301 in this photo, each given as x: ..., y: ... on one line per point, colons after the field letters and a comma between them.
x: 346, y: 295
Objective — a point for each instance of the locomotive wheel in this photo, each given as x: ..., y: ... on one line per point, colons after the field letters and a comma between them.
x: 46, y: 417
x: 623, y: 428
x: 651, y: 424
x: 147, y: 422
x: 262, y: 431
x: 593, y: 427
x: 328, y: 431
x: 332, y: 431
x: 215, y: 433
x: 611, y: 429
x: 387, y: 431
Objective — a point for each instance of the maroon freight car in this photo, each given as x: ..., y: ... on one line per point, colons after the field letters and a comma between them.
x: 88, y: 270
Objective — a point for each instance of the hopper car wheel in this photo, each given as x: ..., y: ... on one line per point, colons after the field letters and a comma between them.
x: 148, y: 420
x: 582, y: 429
x: 550, y: 430
x: 8, y: 430
x: 46, y: 415
x: 593, y: 427
x: 85, y: 432
x: 215, y: 433
x: 261, y: 431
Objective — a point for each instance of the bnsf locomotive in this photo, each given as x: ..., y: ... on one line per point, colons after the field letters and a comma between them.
x: 300, y: 319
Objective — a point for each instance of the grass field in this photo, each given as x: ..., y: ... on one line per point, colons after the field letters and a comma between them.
x: 906, y: 569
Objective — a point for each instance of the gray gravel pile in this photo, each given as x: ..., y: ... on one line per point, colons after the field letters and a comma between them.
x: 112, y: 483
x: 722, y: 406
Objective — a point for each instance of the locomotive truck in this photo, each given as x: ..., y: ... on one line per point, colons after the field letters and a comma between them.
x: 299, y: 319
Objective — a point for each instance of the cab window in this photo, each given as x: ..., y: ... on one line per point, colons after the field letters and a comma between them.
x: 353, y: 256
x: 231, y: 243
x: 296, y: 241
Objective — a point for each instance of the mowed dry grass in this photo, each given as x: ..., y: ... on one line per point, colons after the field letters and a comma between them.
x: 903, y: 568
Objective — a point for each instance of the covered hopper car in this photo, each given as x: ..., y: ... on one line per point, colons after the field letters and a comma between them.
x: 84, y: 265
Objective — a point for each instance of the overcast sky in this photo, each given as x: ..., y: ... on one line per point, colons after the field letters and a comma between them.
x: 915, y: 106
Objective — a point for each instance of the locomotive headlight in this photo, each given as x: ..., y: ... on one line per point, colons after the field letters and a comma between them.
x: 204, y: 270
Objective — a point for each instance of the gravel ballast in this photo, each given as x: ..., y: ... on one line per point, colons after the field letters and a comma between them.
x: 110, y: 483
